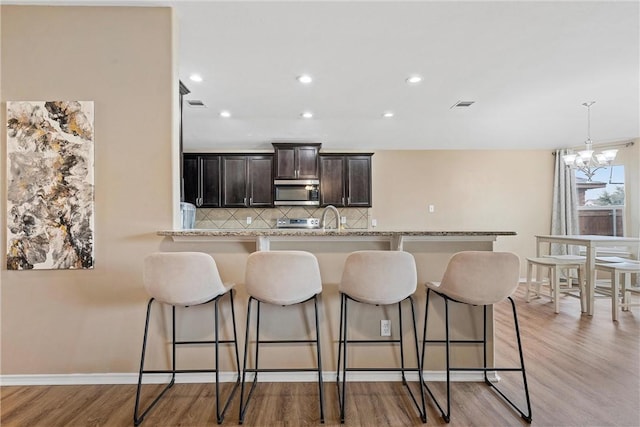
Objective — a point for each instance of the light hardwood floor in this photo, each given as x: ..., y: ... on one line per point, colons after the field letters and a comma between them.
x: 582, y: 371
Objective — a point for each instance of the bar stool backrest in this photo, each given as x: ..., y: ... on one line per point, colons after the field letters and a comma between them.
x: 182, y: 278
x: 481, y: 277
x: 379, y: 277
x: 282, y: 277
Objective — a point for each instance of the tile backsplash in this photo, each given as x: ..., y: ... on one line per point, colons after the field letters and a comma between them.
x: 220, y: 218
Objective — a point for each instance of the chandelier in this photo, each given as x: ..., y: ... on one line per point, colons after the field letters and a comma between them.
x: 585, y: 160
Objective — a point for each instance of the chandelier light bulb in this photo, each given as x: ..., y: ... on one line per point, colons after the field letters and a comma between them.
x: 585, y: 160
x: 569, y: 158
x: 609, y: 154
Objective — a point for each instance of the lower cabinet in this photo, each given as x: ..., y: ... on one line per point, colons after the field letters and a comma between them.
x: 247, y: 181
x: 345, y: 180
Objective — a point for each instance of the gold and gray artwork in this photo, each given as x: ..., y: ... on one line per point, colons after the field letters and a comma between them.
x: 50, y: 192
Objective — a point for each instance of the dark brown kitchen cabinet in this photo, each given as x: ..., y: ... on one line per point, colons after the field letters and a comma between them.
x: 296, y: 161
x: 201, y: 180
x: 345, y: 180
x: 247, y: 181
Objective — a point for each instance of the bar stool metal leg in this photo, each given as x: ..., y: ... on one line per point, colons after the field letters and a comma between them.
x: 137, y: 417
x: 220, y: 414
x: 446, y: 414
x: 319, y: 356
x: 342, y: 359
x: 244, y: 403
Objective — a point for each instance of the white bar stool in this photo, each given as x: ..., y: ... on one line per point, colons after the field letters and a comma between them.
x: 378, y: 278
x: 280, y: 278
x: 477, y: 278
x: 185, y: 279
x: 556, y: 265
x: 620, y: 289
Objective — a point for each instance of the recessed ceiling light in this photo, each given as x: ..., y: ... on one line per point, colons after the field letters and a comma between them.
x: 414, y: 79
x: 387, y: 114
x: 307, y: 115
x: 225, y: 114
x: 195, y: 77
x: 305, y: 79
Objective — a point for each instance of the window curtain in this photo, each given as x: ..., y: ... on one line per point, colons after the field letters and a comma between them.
x: 564, y: 215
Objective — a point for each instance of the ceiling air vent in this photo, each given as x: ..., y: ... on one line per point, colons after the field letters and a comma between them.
x: 196, y: 103
x: 461, y: 104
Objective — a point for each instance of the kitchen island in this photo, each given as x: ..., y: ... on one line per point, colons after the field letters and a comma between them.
x: 431, y: 250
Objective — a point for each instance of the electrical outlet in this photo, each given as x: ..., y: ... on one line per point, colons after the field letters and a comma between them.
x: 343, y: 220
x: 374, y: 223
x: 249, y: 220
x: 385, y: 328
x: 432, y: 208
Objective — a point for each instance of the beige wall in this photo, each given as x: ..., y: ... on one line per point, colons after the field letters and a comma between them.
x: 120, y: 58
x: 60, y: 322
x: 470, y: 190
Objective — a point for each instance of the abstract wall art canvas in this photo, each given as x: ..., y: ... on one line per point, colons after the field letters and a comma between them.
x: 50, y: 190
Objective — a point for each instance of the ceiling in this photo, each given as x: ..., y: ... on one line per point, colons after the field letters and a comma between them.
x: 527, y: 65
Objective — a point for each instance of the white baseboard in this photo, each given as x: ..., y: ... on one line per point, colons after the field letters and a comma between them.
x: 132, y: 378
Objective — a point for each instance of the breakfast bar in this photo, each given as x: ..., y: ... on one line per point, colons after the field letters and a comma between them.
x: 430, y: 249
x: 395, y: 239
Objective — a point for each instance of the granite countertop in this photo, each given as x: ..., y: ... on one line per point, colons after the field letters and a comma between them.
x: 330, y: 232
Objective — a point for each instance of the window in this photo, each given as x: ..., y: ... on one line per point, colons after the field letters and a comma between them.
x: 601, y: 201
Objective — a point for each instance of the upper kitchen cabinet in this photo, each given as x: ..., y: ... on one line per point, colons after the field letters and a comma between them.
x: 247, y: 181
x: 296, y: 161
x: 345, y: 180
x: 201, y: 180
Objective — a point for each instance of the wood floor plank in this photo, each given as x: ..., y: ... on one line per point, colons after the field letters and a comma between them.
x: 582, y: 371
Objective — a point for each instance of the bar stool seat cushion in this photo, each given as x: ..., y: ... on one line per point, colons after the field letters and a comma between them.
x: 183, y: 278
x: 283, y: 277
x: 486, y: 269
x: 379, y: 277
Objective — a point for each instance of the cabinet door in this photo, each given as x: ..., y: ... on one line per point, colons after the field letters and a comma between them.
x: 234, y: 181
x: 260, y: 181
x: 358, y: 181
x: 201, y: 180
x: 307, y: 164
x: 285, y: 163
x: 190, y: 177
x: 210, y: 181
x: 332, y: 189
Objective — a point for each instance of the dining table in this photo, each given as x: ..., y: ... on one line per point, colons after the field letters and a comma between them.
x: 591, y: 243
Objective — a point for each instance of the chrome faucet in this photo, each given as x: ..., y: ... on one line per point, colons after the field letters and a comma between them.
x: 323, y: 220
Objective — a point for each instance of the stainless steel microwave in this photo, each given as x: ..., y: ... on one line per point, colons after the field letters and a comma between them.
x: 296, y: 192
